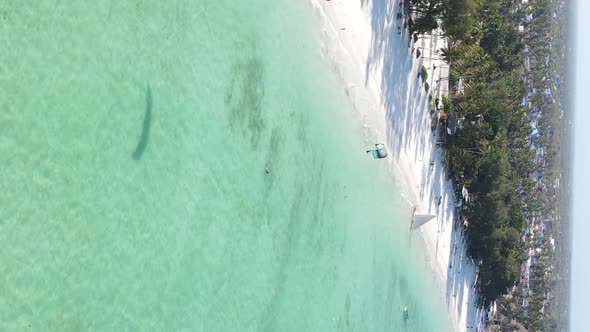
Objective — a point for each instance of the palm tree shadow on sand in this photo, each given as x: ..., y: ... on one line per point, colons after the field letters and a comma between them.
x: 147, y: 122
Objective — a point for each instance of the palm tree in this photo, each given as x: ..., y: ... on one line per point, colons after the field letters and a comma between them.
x: 426, y: 15
x: 472, y: 61
x: 447, y: 54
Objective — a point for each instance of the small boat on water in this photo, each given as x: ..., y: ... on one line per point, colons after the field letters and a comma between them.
x: 406, y: 313
x: 379, y: 152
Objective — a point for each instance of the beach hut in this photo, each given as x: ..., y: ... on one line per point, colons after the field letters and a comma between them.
x: 442, y: 127
x: 443, y: 136
x: 465, y: 194
x: 460, y: 86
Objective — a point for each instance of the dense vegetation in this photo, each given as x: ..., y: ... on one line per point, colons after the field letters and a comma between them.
x: 490, y: 152
x: 546, y: 293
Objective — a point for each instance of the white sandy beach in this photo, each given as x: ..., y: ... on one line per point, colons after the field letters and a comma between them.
x: 371, y: 55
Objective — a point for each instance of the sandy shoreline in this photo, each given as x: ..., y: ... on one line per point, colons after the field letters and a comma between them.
x: 368, y: 47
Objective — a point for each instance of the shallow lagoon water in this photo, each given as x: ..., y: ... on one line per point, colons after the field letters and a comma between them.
x: 192, y: 165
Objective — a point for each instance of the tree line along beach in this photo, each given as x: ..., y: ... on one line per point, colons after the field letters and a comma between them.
x: 494, y: 75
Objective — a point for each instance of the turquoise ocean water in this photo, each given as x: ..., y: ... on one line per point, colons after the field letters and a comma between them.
x: 134, y: 142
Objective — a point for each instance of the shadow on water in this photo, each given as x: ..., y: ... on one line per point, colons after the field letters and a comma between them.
x: 145, y: 129
x: 290, y: 241
x: 244, y: 98
x: 272, y: 159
